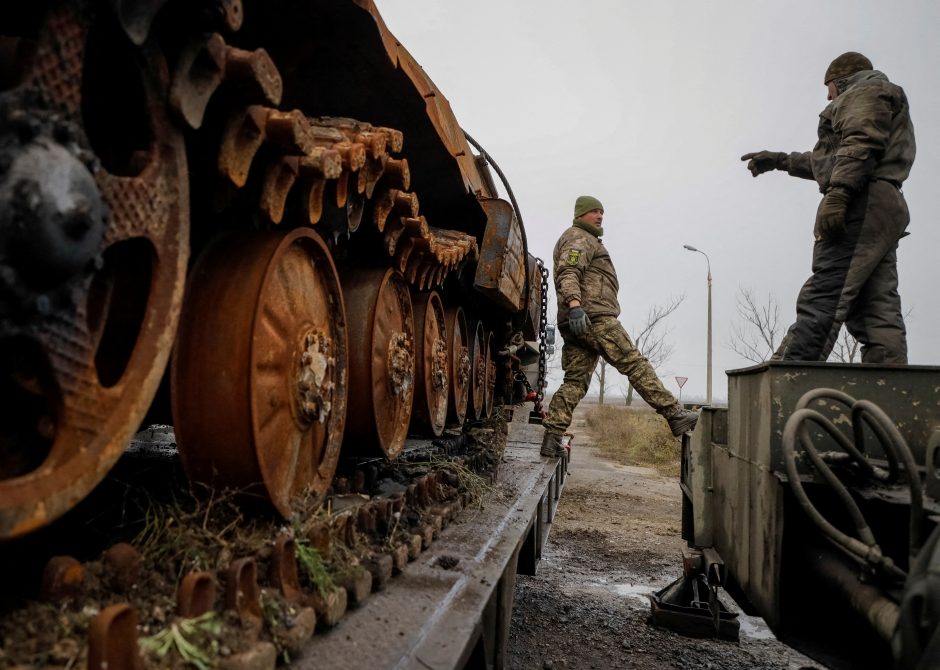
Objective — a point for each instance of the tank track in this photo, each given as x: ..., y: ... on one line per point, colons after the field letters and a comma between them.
x: 243, y: 590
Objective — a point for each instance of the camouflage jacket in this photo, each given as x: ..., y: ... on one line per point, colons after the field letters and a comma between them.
x: 864, y: 134
x: 584, y: 271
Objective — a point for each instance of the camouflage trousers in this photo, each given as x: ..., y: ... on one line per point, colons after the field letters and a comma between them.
x: 607, y: 338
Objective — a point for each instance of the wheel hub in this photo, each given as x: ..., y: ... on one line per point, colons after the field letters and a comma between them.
x: 315, y: 375
x: 400, y: 363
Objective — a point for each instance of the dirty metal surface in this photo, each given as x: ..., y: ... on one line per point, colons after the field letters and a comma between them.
x: 477, y: 371
x: 266, y: 358
x: 501, y: 271
x: 433, y: 613
x: 381, y: 361
x: 733, y: 469
x: 432, y: 362
x: 489, y: 375
x: 103, y: 353
x: 456, y: 328
x: 764, y: 396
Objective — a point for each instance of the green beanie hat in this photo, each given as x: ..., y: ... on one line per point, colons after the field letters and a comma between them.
x: 585, y: 204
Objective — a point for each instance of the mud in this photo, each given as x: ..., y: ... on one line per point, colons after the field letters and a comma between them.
x: 616, y: 539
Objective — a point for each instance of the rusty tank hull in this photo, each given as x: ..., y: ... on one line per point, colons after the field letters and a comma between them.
x: 257, y: 229
x: 135, y: 137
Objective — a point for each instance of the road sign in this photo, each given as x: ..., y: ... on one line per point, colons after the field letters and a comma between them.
x: 681, y: 381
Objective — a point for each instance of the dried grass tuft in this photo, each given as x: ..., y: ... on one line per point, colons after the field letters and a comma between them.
x: 634, y: 437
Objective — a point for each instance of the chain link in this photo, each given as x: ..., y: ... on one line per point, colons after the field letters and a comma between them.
x: 543, y: 323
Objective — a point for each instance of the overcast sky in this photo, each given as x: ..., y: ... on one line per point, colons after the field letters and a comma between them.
x: 648, y: 106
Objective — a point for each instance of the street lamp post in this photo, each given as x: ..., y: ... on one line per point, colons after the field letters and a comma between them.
x: 708, y: 400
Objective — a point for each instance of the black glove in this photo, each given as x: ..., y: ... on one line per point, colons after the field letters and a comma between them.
x: 578, y: 321
x: 830, y: 219
x: 765, y: 161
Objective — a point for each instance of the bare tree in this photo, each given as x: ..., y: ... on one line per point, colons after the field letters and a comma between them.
x: 650, y: 340
x: 755, y: 336
x: 846, y: 348
x: 601, y: 373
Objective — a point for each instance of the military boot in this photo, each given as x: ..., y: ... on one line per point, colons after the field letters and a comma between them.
x: 551, y: 445
x: 682, y: 421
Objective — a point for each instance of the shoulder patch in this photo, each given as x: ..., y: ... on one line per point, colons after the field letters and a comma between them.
x: 574, y: 255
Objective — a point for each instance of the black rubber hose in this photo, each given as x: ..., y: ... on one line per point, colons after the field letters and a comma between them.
x: 866, y: 548
x: 856, y: 450
x: 502, y: 177
x: 891, y: 438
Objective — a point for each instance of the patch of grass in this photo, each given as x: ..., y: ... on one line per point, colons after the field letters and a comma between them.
x: 192, y: 640
x: 634, y: 437
x: 313, y: 567
x: 468, y: 481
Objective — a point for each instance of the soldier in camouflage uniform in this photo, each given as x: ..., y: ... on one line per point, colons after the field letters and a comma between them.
x: 586, y: 285
x: 864, y: 153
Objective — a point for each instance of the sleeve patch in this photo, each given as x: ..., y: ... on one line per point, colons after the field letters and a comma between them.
x: 574, y: 255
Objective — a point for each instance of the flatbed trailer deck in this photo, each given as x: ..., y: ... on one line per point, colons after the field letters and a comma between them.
x: 451, y: 607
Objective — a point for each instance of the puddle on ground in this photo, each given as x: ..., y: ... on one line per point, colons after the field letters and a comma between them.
x: 753, y: 628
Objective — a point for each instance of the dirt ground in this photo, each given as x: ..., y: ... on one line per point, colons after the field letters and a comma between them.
x: 615, y: 539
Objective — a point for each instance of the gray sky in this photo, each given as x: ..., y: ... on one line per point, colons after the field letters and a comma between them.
x: 648, y: 107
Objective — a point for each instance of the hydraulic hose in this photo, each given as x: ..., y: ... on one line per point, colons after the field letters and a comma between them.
x: 863, y: 412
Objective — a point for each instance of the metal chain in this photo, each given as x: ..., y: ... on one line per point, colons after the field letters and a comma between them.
x: 543, y: 323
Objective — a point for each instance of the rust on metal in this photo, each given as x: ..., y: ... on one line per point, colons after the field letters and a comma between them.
x: 279, y: 178
x: 477, y: 373
x: 96, y: 381
x: 284, y: 347
x: 242, y: 593
x: 352, y: 154
x: 195, y: 594
x: 432, y: 360
x: 283, y: 570
x: 312, y: 197
x: 489, y: 376
x: 63, y: 579
x: 501, y: 271
x: 243, y: 136
x: 290, y: 131
x: 341, y: 187
x: 254, y: 74
x: 402, y: 250
x: 199, y: 72
x: 455, y: 324
x: 397, y: 174
x: 381, y: 360
x: 112, y: 639
x: 124, y: 565
x: 322, y: 162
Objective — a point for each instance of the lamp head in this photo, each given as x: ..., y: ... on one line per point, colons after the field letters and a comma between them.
x: 689, y: 247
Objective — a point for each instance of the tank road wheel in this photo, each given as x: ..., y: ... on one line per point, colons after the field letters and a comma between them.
x: 432, y: 362
x: 94, y: 230
x: 489, y: 384
x: 456, y: 328
x: 259, y: 372
x: 477, y: 373
x: 381, y: 361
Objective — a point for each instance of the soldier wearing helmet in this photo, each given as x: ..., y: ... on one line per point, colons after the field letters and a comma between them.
x: 864, y: 153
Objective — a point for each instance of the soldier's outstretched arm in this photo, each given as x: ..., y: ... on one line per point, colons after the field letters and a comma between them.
x: 795, y: 164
